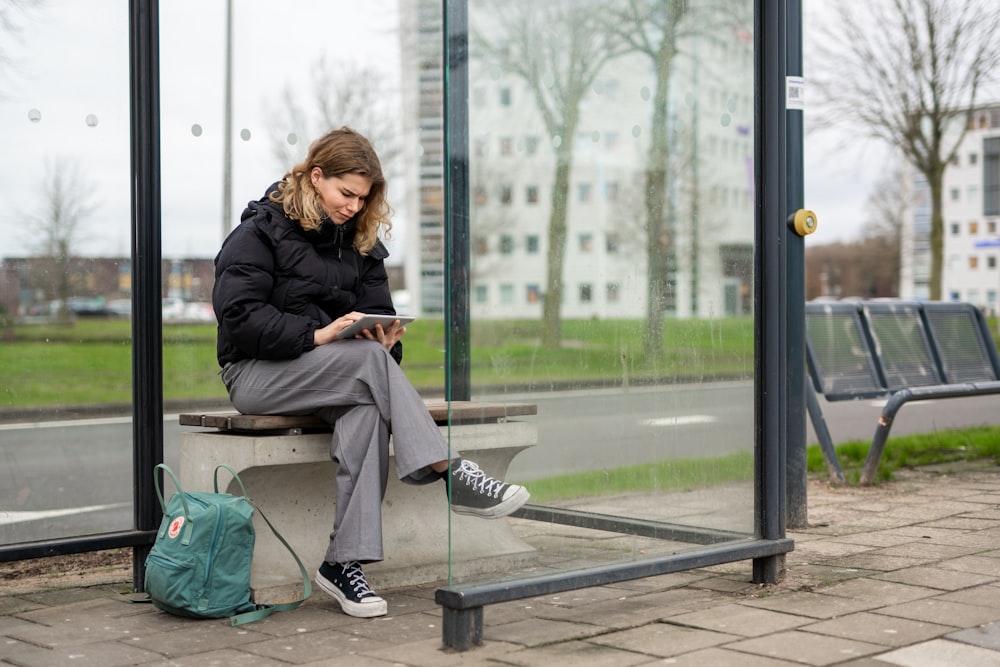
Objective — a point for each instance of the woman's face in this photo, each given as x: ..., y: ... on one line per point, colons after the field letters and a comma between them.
x: 343, y: 196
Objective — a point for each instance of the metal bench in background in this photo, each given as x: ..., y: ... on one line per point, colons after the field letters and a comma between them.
x: 900, y: 350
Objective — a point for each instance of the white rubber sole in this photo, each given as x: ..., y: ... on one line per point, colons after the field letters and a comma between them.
x: 505, y: 508
x: 372, y: 607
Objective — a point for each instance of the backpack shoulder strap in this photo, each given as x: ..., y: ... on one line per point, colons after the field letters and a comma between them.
x: 263, y: 611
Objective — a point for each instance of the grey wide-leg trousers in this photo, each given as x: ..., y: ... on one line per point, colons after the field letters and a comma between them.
x: 356, y: 386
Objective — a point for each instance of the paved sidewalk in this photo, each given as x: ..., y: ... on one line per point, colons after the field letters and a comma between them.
x: 903, y: 574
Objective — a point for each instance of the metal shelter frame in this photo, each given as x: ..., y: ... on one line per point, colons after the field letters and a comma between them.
x: 779, y: 317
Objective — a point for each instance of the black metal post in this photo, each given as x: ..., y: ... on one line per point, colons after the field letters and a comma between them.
x: 147, y: 336
x: 795, y: 318
x: 771, y: 272
x: 456, y: 195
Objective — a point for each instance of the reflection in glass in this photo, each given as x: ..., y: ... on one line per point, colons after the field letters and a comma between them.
x: 65, y: 385
x: 611, y: 269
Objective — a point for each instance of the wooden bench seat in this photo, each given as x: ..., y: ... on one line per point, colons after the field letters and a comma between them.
x: 284, y: 461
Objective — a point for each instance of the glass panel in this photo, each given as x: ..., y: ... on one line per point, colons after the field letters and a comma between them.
x: 65, y: 383
x: 611, y: 153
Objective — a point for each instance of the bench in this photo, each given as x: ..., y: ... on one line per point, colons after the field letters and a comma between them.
x: 900, y: 350
x: 284, y: 461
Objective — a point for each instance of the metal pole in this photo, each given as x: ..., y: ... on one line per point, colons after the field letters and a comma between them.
x: 227, y: 130
x: 147, y: 335
x: 795, y: 318
x: 770, y: 268
x: 456, y: 192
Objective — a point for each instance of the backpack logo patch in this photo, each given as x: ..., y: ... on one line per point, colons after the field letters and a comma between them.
x: 175, y: 527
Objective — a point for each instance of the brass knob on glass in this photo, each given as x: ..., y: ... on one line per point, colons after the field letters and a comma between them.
x: 803, y: 221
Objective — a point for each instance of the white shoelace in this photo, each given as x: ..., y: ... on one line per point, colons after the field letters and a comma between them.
x: 356, y: 578
x: 472, y: 474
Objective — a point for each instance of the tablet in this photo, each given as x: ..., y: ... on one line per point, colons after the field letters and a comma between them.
x: 369, y: 322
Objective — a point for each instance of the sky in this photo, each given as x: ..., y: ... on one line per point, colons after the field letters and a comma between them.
x: 65, y: 105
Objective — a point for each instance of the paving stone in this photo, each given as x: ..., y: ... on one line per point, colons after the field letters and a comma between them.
x: 228, y: 658
x: 982, y: 596
x: 807, y: 647
x: 986, y: 636
x: 403, y: 629
x: 663, y: 639
x: 936, y: 577
x: 737, y: 619
x: 576, y: 653
x: 534, y: 632
x: 429, y: 653
x: 872, y: 560
x: 976, y: 564
x: 92, y: 654
x: 15, y: 604
x: 311, y: 647
x: 721, y: 657
x: 940, y: 652
x: 879, y: 629
x: 963, y: 523
x: 879, y: 591
x: 198, y: 637
x: 932, y: 609
x: 812, y: 605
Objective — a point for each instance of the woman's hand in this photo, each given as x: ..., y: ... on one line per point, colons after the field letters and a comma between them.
x: 386, y: 336
x: 328, y: 334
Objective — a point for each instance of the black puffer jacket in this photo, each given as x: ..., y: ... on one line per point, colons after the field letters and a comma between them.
x: 276, y: 283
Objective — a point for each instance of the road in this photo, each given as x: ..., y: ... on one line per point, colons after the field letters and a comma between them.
x: 60, y: 479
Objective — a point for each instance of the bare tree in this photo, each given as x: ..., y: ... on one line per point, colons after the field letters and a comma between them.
x: 557, y: 47
x: 67, y: 201
x: 910, y: 73
x: 659, y: 30
x: 342, y: 93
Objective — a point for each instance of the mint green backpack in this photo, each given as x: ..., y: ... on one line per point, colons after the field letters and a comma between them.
x: 199, y: 565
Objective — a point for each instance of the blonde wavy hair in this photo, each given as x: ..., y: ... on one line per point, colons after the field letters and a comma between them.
x: 336, y: 153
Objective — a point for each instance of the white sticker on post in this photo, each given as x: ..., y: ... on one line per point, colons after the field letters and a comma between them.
x: 795, y: 92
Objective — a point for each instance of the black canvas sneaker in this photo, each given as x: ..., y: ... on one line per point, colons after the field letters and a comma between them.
x: 475, y: 492
x: 346, y: 583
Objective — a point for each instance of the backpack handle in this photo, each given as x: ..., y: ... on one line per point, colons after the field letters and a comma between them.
x: 215, y: 478
x: 180, y: 493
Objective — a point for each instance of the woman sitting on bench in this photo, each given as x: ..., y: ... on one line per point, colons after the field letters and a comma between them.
x: 304, y: 263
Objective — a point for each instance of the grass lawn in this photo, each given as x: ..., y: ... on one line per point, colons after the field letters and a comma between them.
x: 90, y: 361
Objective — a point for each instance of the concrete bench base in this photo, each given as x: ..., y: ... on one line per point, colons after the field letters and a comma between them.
x: 292, y: 479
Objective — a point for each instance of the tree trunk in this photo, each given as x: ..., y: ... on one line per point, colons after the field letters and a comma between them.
x: 935, y: 180
x: 552, y: 319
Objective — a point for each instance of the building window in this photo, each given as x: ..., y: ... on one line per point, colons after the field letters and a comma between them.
x: 530, y: 145
x: 507, y: 294
x: 583, y: 192
x: 506, y: 244
x: 973, y: 159
x: 506, y: 146
x: 991, y: 262
x: 480, y: 147
x: 480, y: 196
x: 531, y: 244
x: 991, y: 176
x: 955, y: 228
x: 991, y: 227
x: 532, y: 293
x: 973, y: 262
x: 954, y: 160
x: 611, y: 191
x: 611, y: 243
x: 586, y: 293
x: 955, y: 194
x: 506, y: 195
x: 482, y: 294
x: 505, y: 97
x: 973, y: 228
x: 586, y: 242
x: 481, y: 245
x: 612, y: 292
x: 531, y: 194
